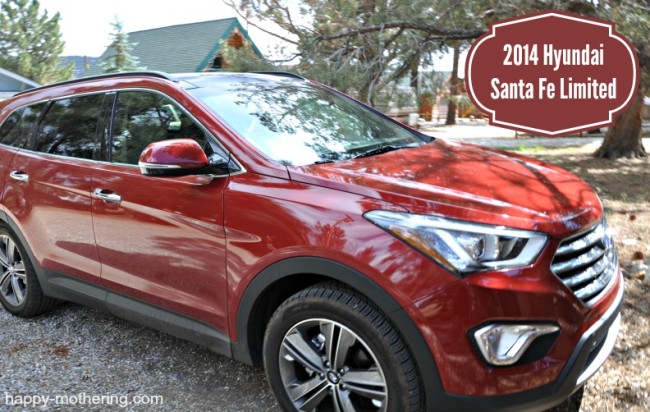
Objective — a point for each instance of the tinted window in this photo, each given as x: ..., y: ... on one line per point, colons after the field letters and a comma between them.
x: 10, y: 129
x: 18, y: 128
x: 297, y: 123
x: 142, y: 118
x: 69, y: 127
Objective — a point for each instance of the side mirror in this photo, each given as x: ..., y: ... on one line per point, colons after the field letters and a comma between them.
x: 174, y: 157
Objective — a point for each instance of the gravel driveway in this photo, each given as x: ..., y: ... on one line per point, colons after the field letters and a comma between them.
x: 77, y: 353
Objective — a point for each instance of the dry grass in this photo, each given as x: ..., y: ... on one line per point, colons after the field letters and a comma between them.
x: 623, y: 384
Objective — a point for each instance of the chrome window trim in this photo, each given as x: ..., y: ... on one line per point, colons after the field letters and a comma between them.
x: 233, y: 159
x: 81, y: 159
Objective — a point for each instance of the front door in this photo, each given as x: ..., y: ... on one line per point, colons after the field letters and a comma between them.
x: 160, y: 239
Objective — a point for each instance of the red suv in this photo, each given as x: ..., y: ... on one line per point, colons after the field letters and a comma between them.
x: 280, y: 222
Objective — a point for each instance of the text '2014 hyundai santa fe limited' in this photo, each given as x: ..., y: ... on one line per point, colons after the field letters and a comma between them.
x: 282, y: 223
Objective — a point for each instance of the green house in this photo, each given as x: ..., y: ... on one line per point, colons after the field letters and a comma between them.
x: 192, y: 47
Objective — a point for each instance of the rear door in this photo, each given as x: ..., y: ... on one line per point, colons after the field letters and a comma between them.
x: 47, y: 191
x: 16, y: 132
x: 160, y: 239
x: 9, y: 134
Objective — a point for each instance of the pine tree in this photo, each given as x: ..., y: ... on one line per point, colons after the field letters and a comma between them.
x: 30, y: 42
x: 361, y: 46
x: 121, y: 59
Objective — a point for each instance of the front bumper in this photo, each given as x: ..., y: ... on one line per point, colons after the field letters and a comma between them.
x: 590, y: 353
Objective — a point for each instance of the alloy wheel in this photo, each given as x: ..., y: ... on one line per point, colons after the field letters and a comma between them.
x: 13, y: 280
x: 326, y: 366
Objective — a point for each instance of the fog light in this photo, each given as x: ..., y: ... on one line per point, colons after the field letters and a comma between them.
x: 504, y: 344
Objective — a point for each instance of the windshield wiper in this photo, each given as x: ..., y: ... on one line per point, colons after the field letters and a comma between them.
x: 328, y: 157
x: 380, y: 149
x: 332, y: 157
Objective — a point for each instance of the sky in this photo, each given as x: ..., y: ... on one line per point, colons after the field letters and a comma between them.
x: 86, y: 24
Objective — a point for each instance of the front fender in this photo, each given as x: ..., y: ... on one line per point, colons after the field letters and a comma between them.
x: 331, y: 270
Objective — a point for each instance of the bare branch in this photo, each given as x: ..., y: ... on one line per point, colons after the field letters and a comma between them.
x: 433, y: 32
x: 240, y: 14
x: 292, y: 27
x: 287, y: 59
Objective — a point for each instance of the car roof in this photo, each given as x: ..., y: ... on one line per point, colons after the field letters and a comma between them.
x: 185, y: 80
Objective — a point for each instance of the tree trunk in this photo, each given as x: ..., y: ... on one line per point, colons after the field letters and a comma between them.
x: 453, y: 88
x: 624, y: 138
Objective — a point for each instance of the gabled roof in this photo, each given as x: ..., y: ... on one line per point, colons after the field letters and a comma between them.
x: 183, y: 47
x: 12, y: 82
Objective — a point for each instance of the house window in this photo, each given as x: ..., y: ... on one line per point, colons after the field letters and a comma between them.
x: 217, y: 62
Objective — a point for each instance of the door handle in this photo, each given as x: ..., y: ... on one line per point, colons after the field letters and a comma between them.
x: 107, y: 196
x: 20, y: 176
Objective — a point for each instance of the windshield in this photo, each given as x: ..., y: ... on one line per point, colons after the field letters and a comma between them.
x: 298, y: 123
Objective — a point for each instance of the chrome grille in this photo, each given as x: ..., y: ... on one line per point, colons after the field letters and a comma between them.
x: 587, y: 263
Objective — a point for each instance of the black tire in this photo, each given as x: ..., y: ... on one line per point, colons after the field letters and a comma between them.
x: 20, y: 292
x: 371, y: 369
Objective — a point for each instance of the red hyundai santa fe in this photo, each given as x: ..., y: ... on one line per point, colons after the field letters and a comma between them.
x: 281, y: 223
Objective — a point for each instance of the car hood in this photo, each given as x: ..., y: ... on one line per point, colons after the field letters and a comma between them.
x: 467, y: 182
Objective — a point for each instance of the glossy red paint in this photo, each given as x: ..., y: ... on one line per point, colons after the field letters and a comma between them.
x: 283, y: 221
x: 163, y: 247
x: 531, y: 293
x: 184, y: 153
x: 193, y: 245
x: 6, y: 157
x: 467, y: 182
x: 53, y: 211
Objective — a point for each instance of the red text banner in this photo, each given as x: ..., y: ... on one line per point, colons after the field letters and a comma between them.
x: 551, y: 73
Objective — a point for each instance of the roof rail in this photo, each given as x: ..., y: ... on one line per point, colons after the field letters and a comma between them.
x: 160, y: 75
x: 283, y: 74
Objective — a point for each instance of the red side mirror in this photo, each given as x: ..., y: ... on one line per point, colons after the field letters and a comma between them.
x: 174, y: 157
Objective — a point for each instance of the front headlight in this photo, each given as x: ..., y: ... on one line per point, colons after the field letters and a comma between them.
x: 462, y: 247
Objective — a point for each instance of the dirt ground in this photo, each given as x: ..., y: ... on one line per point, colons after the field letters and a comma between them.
x: 623, y: 384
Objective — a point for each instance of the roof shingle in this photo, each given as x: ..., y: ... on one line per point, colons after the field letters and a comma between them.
x: 180, y: 48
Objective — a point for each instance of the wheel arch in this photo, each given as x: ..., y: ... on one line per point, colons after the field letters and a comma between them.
x: 6, y: 219
x: 9, y: 222
x: 41, y: 300
x: 282, y: 279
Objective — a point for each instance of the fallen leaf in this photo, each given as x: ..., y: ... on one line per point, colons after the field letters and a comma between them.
x: 18, y: 348
x: 60, y: 350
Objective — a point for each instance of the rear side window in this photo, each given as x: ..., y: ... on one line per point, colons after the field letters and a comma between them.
x: 142, y: 118
x: 69, y: 127
x: 10, y: 129
x: 18, y: 128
